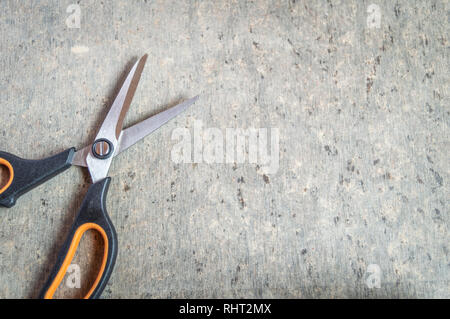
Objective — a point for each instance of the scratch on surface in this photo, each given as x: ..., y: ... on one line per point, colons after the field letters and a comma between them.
x: 79, y: 49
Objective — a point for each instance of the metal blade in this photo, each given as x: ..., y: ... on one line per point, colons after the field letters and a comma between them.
x: 111, y: 128
x: 130, y: 92
x: 135, y: 133
x: 112, y: 125
x: 79, y: 159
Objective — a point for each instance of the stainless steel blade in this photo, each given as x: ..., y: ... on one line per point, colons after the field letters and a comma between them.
x: 130, y: 93
x: 112, y: 125
x: 79, y: 159
x: 135, y: 133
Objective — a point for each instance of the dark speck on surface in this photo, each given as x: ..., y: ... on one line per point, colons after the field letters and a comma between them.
x: 437, y: 177
x: 241, y: 198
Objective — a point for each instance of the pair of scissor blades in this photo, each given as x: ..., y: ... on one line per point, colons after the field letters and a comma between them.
x: 110, y: 141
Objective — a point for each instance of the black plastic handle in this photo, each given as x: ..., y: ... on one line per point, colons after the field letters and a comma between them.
x: 28, y: 174
x: 92, y: 215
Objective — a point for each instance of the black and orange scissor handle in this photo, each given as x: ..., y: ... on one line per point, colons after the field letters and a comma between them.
x: 24, y: 175
x: 110, y: 141
x: 91, y: 216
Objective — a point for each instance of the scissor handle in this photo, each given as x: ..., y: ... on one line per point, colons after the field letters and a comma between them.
x: 24, y: 175
x: 92, y: 215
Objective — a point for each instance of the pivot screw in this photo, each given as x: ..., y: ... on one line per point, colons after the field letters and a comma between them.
x: 102, y: 148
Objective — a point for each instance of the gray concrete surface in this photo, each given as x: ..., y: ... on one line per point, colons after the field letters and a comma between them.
x: 363, y: 115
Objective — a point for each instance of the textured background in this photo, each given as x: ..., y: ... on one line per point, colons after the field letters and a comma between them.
x: 363, y: 115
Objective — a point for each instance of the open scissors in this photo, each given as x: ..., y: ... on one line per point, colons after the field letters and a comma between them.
x: 110, y: 141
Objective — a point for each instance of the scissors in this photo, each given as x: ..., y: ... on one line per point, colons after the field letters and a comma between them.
x: 111, y: 140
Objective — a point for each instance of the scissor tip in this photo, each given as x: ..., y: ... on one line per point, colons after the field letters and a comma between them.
x: 189, y: 102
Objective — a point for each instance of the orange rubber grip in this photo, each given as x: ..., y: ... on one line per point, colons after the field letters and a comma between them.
x: 71, y: 253
x: 11, y: 174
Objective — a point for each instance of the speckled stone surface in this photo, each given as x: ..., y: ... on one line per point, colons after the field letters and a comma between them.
x: 363, y: 116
